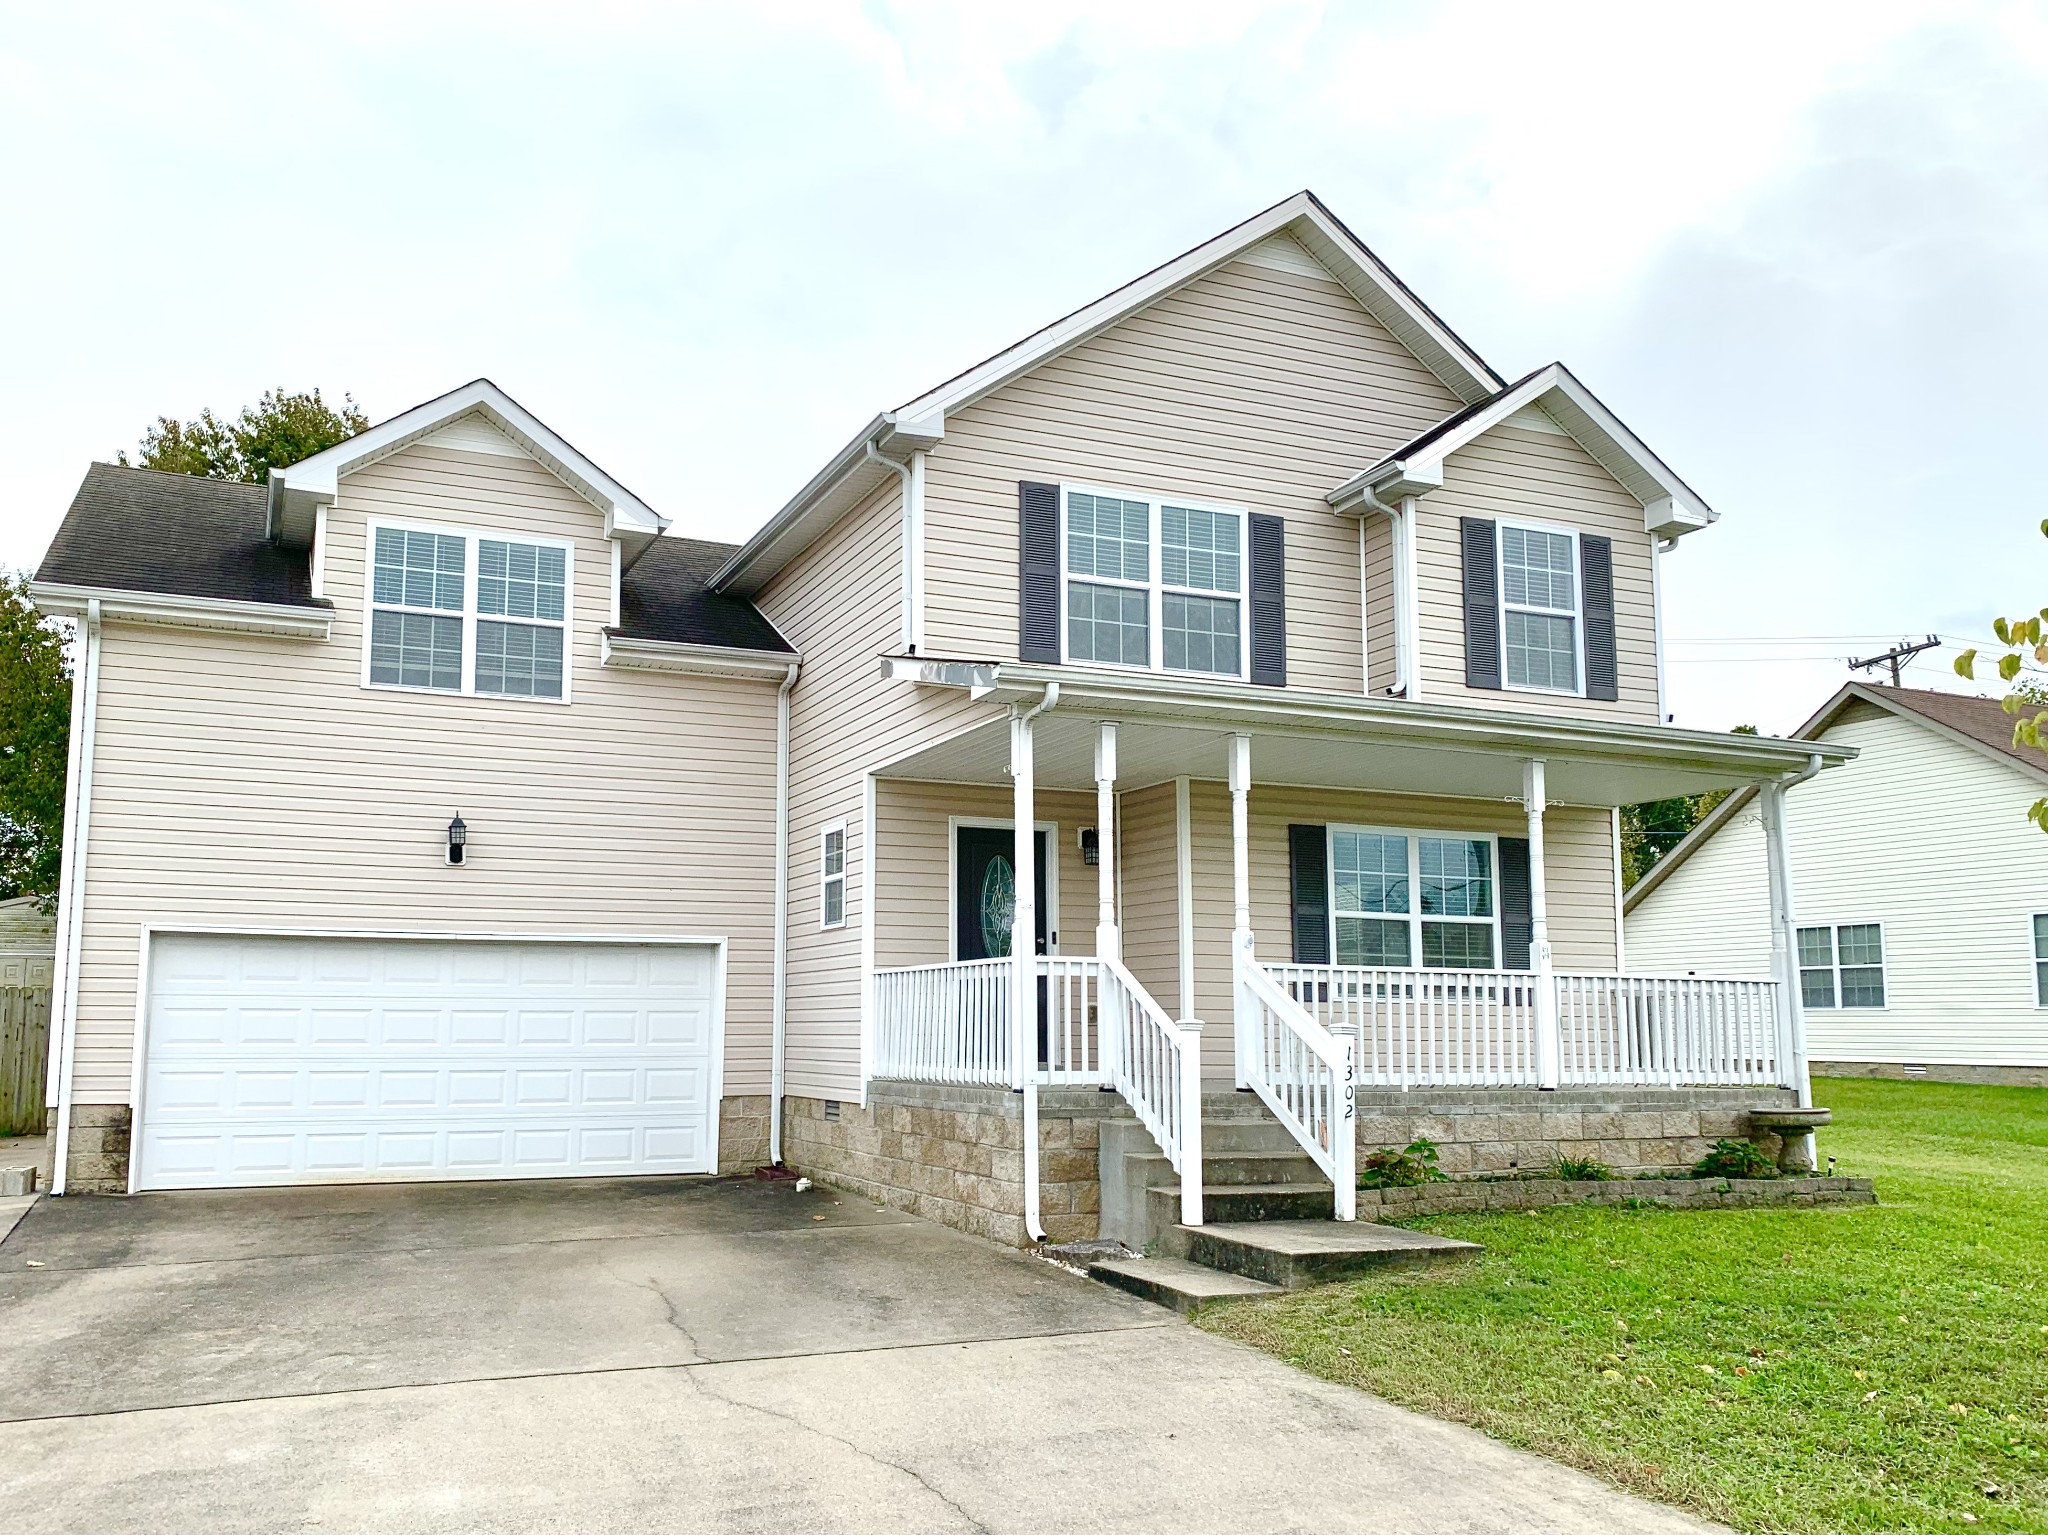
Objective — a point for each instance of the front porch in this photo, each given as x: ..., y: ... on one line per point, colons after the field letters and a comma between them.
x: 1242, y: 925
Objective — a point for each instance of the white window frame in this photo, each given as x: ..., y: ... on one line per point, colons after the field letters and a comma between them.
x: 472, y: 536
x: 826, y: 878
x: 1577, y: 615
x: 1156, y: 590
x: 2039, y: 954
x: 1883, y: 966
x: 1415, y: 916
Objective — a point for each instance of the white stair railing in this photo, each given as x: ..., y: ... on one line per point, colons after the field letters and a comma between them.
x: 1156, y: 1064
x: 1303, y: 1073
x: 1669, y: 1031
x: 1424, y: 1028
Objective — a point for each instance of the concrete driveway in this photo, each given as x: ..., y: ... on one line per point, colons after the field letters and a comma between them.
x: 657, y: 1354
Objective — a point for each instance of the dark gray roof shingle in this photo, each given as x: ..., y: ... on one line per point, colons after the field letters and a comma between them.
x: 667, y: 596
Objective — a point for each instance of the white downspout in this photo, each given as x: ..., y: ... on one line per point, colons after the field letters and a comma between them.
x: 911, y: 632
x: 1024, y: 944
x: 71, y: 900
x: 1401, y: 542
x: 779, y: 1024
x: 1659, y: 547
x: 1549, y: 1043
x: 1784, y: 927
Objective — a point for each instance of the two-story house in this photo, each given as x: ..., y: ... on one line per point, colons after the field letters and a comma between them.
x: 439, y: 813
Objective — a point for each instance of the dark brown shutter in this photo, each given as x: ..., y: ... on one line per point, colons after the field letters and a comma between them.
x: 1482, y: 602
x: 1596, y: 574
x: 1038, y: 551
x: 1269, y: 599
x: 1516, y: 916
x: 1308, y: 858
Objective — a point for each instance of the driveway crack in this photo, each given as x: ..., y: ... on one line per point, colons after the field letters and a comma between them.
x: 675, y: 1317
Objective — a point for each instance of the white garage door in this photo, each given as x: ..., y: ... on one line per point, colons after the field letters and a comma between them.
x: 337, y: 1060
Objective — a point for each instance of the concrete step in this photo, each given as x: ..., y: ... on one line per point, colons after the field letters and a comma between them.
x: 1294, y: 1254
x: 1229, y: 1203
x: 1221, y: 1167
x: 1174, y: 1282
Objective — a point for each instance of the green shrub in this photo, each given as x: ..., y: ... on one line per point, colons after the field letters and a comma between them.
x: 1735, y: 1159
x: 1581, y: 1170
x: 1413, y: 1165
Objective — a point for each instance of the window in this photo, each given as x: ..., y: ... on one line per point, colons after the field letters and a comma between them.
x: 832, y: 899
x: 1155, y: 584
x: 2041, y: 959
x: 1539, y: 593
x: 1842, y: 966
x: 463, y: 613
x: 1397, y: 895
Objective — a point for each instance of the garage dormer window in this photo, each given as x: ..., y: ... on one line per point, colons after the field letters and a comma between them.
x: 458, y: 612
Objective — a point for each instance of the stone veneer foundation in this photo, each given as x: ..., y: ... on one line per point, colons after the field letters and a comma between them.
x: 1674, y: 1193
x: 1988, y: 1076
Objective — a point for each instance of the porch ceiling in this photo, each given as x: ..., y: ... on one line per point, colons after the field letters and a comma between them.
x: 1339, y: 743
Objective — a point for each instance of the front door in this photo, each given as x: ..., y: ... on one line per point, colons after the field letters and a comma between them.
x: 985, y: 891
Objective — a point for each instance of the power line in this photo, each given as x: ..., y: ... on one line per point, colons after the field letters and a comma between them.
x: 1897, y: 658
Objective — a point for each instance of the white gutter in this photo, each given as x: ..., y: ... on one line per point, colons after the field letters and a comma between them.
x: 289, y: 620
x: 71, y: 899
x: 624, y: 652
x: 779, y: 1026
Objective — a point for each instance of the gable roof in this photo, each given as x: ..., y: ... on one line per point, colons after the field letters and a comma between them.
x: 1671, y: 508
x: 865, y: 462
x: 297, y: 491
x: 146, y: 530
x: 1978, y: 723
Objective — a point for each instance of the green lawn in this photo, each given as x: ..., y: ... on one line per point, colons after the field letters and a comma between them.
x: 1857, y: 1369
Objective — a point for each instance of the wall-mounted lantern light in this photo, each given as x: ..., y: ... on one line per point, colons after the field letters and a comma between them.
x: 1091, y: 847
x: 458, y: 836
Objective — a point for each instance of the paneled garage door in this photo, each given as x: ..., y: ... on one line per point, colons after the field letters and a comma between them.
x: 337, y: 1060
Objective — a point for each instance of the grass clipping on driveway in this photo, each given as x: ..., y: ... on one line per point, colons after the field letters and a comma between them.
x: 1849, y: 1368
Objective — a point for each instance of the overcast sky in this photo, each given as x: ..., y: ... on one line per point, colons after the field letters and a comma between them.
x: 1801, y: 248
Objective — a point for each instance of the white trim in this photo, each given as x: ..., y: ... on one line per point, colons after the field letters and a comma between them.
x: 778, y: 1022
x: 1407, y: 605
x: 287, y: 620
x: 869, y: 841
x: 1415, y: 916
x: 618, y: 580
x: 1577, y: 615
x: 1050, y: 830
x: 473, y: 538
x: 914, y: 555
x: 318, y: 577
x: 1620, y: 914
x: 152, y: 928
x: 629, y: 653
x: 71, y: 871
x: 1184, y: 891
x: 1364, y: 618
x: 1835, y: 966
x: 1155, y: 588
x: 1657, y: 552
x: 826, y: 878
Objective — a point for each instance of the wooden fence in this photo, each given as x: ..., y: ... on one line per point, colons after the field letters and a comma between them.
x: 24, y: 1053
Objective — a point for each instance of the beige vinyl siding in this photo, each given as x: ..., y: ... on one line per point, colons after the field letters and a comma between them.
x: 1149, y: 889
x: 1923, y: 834
x: 244, y: 781
x: 1378, y: 534
x: 839, y: 603
x: 1542, y: 477
x: 1253, y: 386
x: 914, y: 917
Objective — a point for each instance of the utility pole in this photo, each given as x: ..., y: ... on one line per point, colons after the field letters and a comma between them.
x: 1896, y: 657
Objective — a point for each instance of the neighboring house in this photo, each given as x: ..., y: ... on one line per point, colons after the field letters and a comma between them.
x: 1923, y: 926
x: 1319, y: 656
x: 28, y: 941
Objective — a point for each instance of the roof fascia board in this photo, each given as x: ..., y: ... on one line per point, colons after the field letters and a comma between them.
x: 169, y: 610
x: 630, y: 654
x: 298, y: 489
x: 849, y: 476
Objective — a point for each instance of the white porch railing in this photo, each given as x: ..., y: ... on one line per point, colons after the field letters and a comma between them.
x: 1478, y: 1028
x: 1425, y: 1028
x: 1304, y: 1073
x: 1668, y: 1031
x: 944, y: 1023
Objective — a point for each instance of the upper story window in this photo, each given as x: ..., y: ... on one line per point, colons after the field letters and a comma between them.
x: 462, y: 612
x: 1400, y: 894
x: 1539, y: 597
x: 1155, y: 583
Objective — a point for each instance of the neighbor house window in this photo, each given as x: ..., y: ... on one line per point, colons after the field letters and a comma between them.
x: 467, y: 613
x: 1539, y: 594
x: 1842, y: 966
x: 1402, y: 898
x: 1155, y: 583
x: 2041, y: 958
x: 832, y: 901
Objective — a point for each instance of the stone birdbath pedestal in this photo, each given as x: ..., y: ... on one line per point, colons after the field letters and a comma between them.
x: 1794, y: 1129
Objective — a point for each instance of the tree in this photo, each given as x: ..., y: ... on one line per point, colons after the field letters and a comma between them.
x: 2020, y: 636
x: 279, y: 429
x: 35, y: 738
x: 1654, y: 828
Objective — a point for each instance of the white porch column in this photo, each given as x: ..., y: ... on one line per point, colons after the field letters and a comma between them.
x: 1792, y: 1070
x: 1108, y: 940
x: 1241, y: 890
x: 1549, y: 1047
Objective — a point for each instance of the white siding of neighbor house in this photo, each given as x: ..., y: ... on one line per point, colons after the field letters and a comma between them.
x: 245, y: 781
x: 1921, y: 833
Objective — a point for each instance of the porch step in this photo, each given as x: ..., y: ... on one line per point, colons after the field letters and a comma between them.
x: 1293, y: 1254
x: 1174, y: 1282
x: 1236, y: 1202
x: 1222, y: 1166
